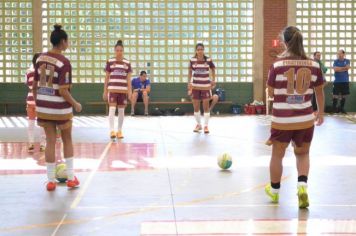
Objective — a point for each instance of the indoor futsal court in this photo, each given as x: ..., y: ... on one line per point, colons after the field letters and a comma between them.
x: 162, y: 118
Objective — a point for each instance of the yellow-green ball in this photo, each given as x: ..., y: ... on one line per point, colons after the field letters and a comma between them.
x: 61, y: 173
x: 225, y: 161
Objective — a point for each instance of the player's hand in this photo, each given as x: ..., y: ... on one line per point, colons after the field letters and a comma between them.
x: 78, y: 107
x: 105, y: 96
x: 319, y: 119
x: 190, y: 86
x: 213, y: 83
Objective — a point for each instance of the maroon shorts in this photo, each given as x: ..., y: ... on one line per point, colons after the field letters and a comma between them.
x: 60, y: 124
x: 201, y: 94
x: 117, y: 99
x: 298, y: 137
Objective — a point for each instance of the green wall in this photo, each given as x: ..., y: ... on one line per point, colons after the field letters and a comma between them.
x: 240, y: 93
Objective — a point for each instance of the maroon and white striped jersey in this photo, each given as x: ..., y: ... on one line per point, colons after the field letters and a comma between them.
x: 53, y: 71
x: 201, y: 72
x: 293, y: 82
x: 119, y: 71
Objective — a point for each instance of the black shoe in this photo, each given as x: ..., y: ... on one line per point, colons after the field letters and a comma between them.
x: 343, y: 111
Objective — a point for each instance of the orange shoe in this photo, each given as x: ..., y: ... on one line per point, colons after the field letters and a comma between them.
x: 206, y: 130
x: 31, y: 148
x: 112, y: 135
x: 73, y: 183
x: 119, y: 135
x: 51, y: 186
x: 198, y: 128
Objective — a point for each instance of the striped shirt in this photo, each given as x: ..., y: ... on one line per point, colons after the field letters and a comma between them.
x: 53, y: 71
x: 119, y: 71
x: 293, y: 82
x: 30, y: 100
x: 201, y: 69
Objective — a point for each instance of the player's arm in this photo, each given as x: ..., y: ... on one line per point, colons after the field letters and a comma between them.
x: 270, y: 82
x: 190, y: 74
x: 320, y: 101
x: 129, y: 87
x: 36, y: 78
x: 213, y: 75
x: 34, y: 89
x: 65, y: 81
x: 64, y: 92
x: 106, y: 81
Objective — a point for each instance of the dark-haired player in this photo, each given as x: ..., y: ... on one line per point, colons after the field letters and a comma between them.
x: 201, y: 68
x: 54, y: 103
x: 117, y: 88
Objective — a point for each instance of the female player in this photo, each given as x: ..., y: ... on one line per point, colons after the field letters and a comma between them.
x: 291, y: 81
x: 117, y: 88
x: 199, y: 83
x: 31, y: 109
x: 54, y: 104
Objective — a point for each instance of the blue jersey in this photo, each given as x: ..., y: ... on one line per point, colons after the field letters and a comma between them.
x: 136, y: 83
x: 341, y: 77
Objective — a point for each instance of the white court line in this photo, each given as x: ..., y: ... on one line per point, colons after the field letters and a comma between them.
x: 90, y: 177
x: 250, y: 227
x: 83, y: 189
x: 60, y: 223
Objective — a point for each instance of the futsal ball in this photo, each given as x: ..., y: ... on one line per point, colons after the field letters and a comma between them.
x: 61, y: 173
x: 224, y: 161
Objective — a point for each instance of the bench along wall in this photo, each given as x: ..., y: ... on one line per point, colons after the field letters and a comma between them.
x: 15, y: 94
x: 240, y: 93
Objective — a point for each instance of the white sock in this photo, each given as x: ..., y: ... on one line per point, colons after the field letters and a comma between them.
x: 274, y: 190
x: 121, y: 118
x: 302, y: 183
x: 70, y: 169
x: 206, y: 118
x: 31, y: 131
x: 51, y: 168
x: 197, y: 117
x: 112, y: 118
x: 43, y: 137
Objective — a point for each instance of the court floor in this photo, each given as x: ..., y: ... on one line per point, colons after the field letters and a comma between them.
x: 162, y: 179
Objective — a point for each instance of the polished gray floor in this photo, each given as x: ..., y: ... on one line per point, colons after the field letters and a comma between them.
x: 162, y: 179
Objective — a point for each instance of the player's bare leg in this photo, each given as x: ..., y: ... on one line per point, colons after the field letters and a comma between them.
x: 206, y: 109
x: 196, y: 106
x: 50, y: 131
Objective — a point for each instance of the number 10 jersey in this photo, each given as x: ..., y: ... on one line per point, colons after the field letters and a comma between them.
x: 293, y: 82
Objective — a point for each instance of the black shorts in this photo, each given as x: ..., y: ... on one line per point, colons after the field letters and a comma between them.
x: 341, y: 88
